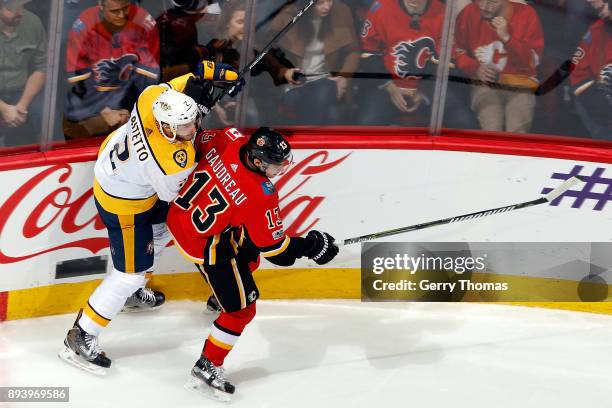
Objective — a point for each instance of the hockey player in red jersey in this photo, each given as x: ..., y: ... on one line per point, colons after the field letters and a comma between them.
x: 225, y: 216
x: 591, y: 76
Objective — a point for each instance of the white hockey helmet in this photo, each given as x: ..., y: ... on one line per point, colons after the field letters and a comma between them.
x: 178, y: 111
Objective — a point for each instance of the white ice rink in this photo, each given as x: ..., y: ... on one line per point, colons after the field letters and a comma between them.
x: 319, y: 354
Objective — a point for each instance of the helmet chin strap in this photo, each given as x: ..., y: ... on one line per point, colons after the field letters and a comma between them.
x: 164, y: 131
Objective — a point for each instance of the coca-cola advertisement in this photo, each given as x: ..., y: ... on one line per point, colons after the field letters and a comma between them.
x: 48, y: 221
x: 50, y: 231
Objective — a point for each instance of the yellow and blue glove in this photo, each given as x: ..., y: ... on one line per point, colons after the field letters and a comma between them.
x: 209, y: 70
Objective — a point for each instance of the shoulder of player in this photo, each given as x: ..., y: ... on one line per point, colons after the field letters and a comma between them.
x: 260, y: 190
x: 203, y: 138
x: 170, y: 158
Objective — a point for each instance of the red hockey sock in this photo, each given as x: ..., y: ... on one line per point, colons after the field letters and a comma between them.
x: 225, y: 332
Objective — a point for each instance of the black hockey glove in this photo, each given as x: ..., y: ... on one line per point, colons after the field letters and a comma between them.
x: 236, y: 87
x: 320, y: 247
x: 202, y: 91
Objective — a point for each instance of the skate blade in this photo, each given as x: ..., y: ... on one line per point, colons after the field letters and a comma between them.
x: 70, y: 357
x: 201, y: 387
x: 137, y: 309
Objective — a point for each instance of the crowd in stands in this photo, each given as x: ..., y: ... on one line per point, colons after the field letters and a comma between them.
x: 539, y: 66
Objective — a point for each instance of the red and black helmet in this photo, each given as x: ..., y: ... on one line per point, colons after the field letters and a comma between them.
x: 271, y: 148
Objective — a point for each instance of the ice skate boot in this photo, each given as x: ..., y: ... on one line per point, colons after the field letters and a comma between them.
x: 213, y: 306
x: 144, y: 299
x: 82, y: 350
x: 210, y: 380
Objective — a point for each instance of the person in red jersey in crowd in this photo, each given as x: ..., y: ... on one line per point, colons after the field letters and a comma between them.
x: 401, y: 39
x: 591, y: 77
x: 112, y: 56
x: 500, y: 42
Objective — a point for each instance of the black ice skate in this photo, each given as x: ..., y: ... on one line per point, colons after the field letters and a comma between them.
x: 209, y: 379
x: 212, y: 305
x: 82, y: 350
x: 144, y: 299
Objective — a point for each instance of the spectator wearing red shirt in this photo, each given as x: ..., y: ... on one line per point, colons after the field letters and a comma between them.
x: 401, y: 40
x: 500, y: 42
x: 591, y: 76
x: 112, y: 56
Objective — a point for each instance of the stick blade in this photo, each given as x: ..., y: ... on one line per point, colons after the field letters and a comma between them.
x: 566, y: 185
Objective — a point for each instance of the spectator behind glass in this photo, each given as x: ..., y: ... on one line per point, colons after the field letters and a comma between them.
x: 324, y: 49
x: 112, y: 56
x: 183, y: 30
x: 500, y: 42
x: 591, y: 78
x: 400, y: 41
x: 23, y: 66
x: 225, y: 48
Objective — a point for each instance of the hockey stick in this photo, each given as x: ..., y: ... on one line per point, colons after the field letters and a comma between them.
x: 263, y: 52
x: 451, y: 78
x: 569, y: 183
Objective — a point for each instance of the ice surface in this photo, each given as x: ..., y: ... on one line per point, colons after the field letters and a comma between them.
x: 319, y: 354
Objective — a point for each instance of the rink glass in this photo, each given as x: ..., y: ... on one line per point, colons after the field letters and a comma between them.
x: 328, y: 96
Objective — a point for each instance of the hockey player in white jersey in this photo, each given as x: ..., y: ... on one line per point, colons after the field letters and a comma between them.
x: 140, y: 168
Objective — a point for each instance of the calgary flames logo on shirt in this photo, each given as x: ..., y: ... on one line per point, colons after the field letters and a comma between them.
x: 113, y: 72
x: 412, y: 57
x: 494, y: 54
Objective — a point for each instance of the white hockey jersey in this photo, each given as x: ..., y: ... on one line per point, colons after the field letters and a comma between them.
x: 137, y: 165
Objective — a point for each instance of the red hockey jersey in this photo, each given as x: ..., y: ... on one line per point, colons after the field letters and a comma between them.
x: 407, y: 43
x: 594, y: 54
x: 105, y: 67
x: 223, y: 193
x: 477, y: 43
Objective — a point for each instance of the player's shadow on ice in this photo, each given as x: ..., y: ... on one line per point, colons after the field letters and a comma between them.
x: 183, y: 327
x: 321, y: 335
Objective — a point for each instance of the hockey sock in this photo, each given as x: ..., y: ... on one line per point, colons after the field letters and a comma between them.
x: 161, y: 238
x: 108, y: 299
x: 225, y: 332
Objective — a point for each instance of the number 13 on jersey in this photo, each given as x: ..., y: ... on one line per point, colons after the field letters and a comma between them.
x: 203, y: 218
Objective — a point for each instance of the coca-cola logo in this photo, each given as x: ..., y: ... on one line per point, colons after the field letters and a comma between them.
x: 59, y: 207
x: 35, y: 211
x: 294, y: 204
